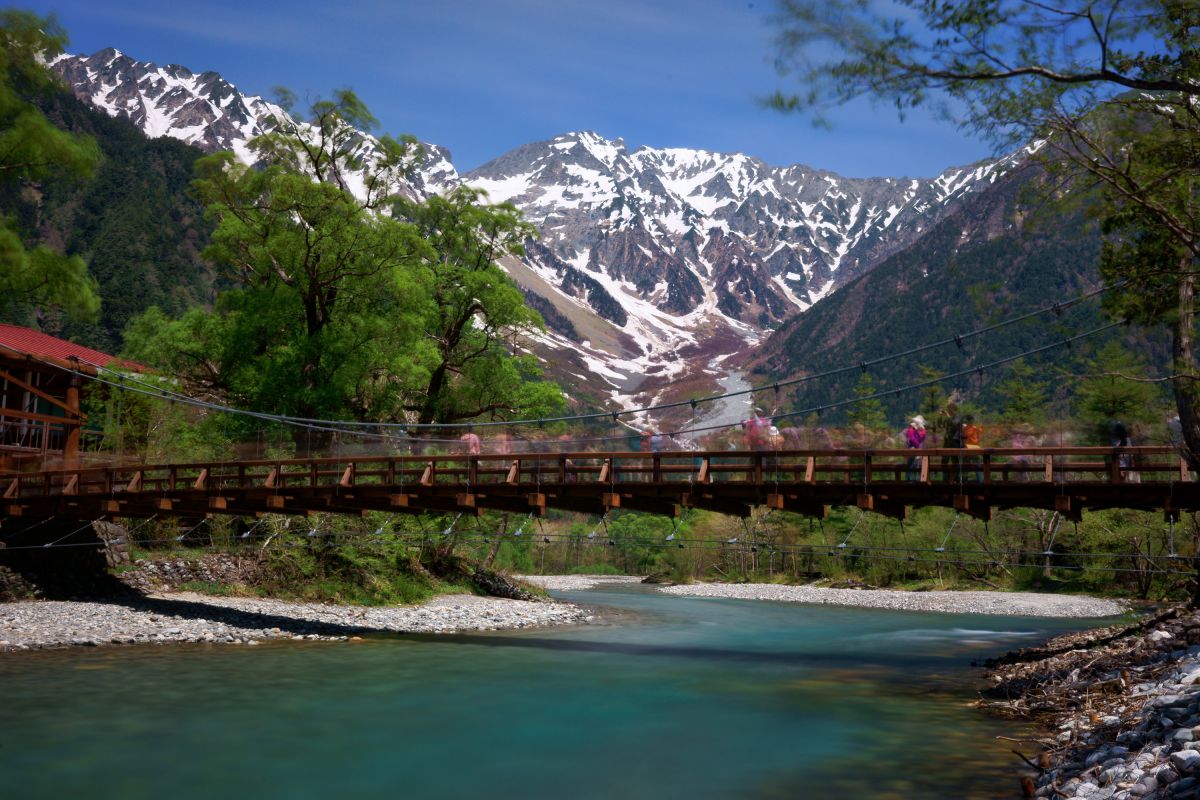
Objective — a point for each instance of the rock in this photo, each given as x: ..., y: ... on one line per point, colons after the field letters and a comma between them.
x: 1185, y: 761
x: 1144, y: 786
x: 1111, y: 775
x: 1166, y: 774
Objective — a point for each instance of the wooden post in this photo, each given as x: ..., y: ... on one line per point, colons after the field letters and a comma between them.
x: 72, y: 425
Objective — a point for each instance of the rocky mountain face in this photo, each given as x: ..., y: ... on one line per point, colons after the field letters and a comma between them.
x: 691, y: 230
x: 653, y: 267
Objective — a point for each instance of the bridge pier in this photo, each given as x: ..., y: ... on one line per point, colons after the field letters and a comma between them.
x: 60, y: 556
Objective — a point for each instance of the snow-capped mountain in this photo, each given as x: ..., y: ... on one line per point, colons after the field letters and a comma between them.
x: 652, y: 266
x: 691, y: 230
x: 203, y: 110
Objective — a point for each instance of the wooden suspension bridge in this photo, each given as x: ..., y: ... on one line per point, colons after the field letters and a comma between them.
x: 1069, y: 480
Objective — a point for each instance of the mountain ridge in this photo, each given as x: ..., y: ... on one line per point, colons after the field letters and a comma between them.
x: 660, y: 264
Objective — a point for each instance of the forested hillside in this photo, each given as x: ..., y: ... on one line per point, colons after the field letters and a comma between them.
x: 1004, y: 253
x: 133, y: 222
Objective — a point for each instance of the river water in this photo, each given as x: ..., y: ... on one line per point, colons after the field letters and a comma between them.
x: 676, y: 697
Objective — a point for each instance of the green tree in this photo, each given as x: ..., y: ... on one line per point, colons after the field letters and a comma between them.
x: 31, y: 148
x: 933, y: 396
x: 1022, y: 395
x: 348, y: 298
x: 867, y: 411
x: 328, y: 295
x: 1116, y: 389
x: 479, y: 315
x: 1103, y: 91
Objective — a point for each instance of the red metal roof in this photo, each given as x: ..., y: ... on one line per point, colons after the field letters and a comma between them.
x: 26, y: 341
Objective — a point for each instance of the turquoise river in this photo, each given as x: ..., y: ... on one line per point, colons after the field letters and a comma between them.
x: 672, y: 698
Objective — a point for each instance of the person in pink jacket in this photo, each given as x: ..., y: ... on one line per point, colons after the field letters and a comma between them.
x: 914, y: 437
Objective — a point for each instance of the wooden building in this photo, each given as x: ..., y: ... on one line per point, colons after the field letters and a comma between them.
x: 40, y: 415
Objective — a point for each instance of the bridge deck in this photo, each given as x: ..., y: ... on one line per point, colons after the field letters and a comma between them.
x: 733, y: 482
x: 807, y: 481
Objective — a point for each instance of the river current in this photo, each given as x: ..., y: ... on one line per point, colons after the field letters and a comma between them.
x: 676, y: 697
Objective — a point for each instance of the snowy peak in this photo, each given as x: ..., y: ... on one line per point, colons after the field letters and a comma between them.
x: 701, y: 232
x: 203, y: 110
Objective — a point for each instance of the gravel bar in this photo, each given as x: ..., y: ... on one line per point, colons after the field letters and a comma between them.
x: 572, y: 583
x: 189, y: 617
x: 1022, y: 604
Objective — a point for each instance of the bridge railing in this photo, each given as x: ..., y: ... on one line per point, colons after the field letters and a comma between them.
x: 850, y: 467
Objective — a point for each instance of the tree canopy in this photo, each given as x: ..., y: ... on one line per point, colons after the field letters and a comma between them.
x: 31, y: 148
x: 479, y: 314
x: 348, y: 298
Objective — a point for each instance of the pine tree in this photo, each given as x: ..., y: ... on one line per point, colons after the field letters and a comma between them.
x: 868, y: 412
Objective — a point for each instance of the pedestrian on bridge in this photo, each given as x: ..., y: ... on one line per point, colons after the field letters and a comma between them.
x: 914, y: 437
x: 756, y: 430
x: 972, y: 435
x: 1120, y: 439
x: 470, y: 443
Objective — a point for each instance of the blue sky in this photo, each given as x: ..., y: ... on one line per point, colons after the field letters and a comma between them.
x: 484, y: 77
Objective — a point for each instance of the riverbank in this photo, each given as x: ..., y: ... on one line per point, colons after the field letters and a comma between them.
x: 1022, y: 604
x: 186, y: 617
x: 1121, y: 707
